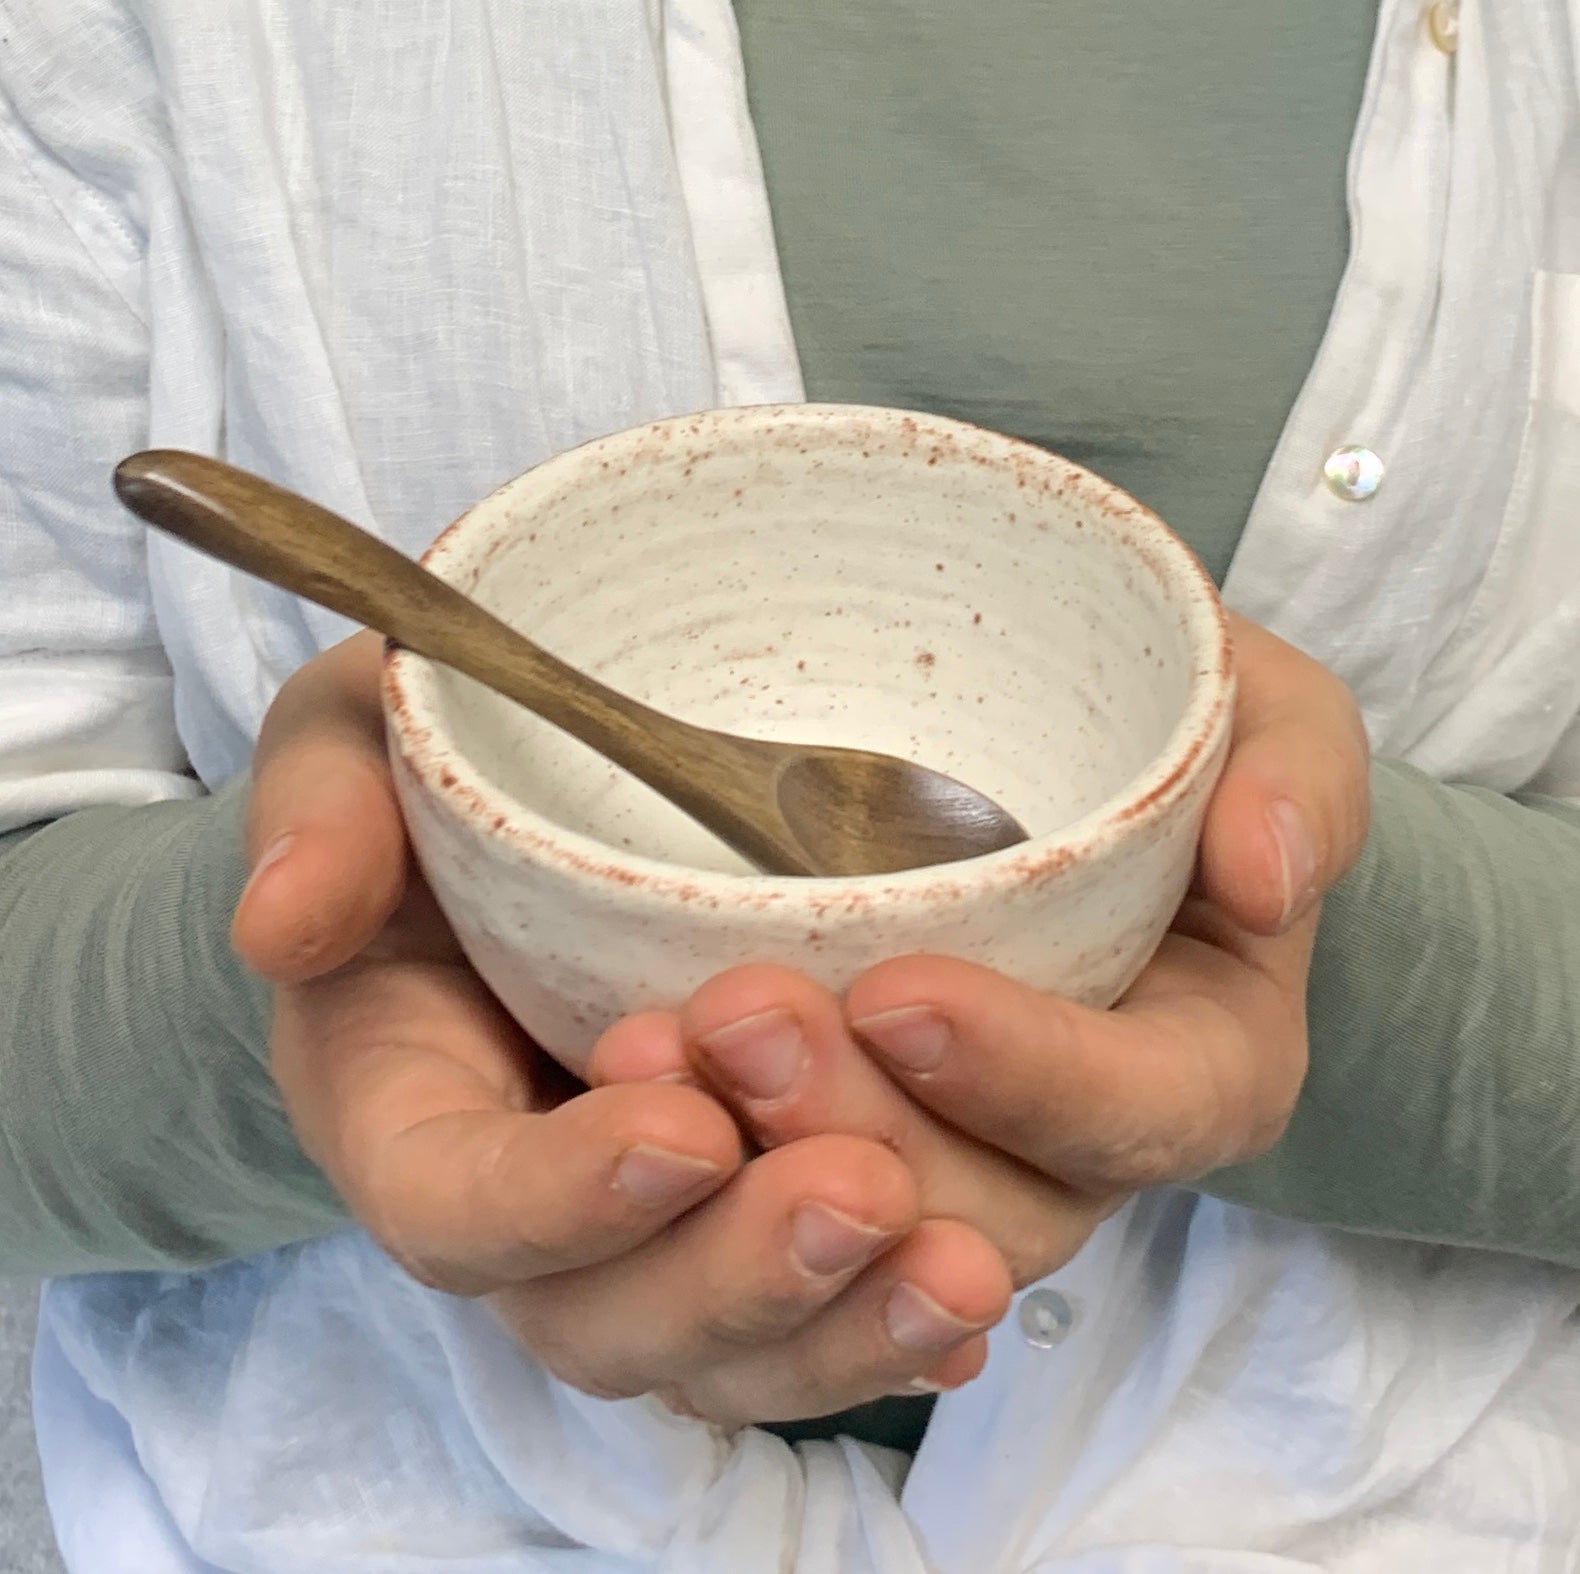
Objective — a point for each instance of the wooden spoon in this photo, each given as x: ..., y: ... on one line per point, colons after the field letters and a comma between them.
x: 798, y: 809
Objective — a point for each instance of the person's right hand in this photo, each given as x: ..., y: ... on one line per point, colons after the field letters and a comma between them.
x: 617, y: 1232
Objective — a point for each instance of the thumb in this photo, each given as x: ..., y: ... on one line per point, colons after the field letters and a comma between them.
x: 1291, y: 812
x: 325, y: 839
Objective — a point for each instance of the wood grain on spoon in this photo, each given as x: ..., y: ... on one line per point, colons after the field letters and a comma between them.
x: 798, y: 809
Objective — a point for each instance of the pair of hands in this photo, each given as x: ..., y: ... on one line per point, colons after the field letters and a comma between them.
x: 771, y: 1203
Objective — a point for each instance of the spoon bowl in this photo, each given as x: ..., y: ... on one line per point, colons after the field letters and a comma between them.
x: 893, y: 815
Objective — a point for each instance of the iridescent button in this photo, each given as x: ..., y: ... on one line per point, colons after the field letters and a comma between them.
x: 1046, y: 1318
x: 1442, y: 22
x: 1353, y: 474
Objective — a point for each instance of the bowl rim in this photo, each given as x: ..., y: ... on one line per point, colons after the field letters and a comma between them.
x: 423, y: 746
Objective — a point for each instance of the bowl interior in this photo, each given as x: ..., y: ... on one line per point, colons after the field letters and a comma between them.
x: 833, y: 575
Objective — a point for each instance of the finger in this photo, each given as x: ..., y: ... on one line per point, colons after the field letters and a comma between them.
x: 1290, y: 814
x: 915, y: 1322
x: 325, y: 839
x: 1197, y: 1067
x: 406, y: 1084
x: 646, y: 1047
x: 741, y: 1272
x: 777, y: 1048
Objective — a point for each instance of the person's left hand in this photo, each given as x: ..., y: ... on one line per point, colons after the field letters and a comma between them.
x: 1024, y: 1115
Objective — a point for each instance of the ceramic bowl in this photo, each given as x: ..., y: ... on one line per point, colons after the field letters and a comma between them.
x: 830, y: 574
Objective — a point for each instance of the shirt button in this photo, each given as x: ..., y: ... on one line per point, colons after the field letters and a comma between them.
x: 1046, y: 1318
x: 1442, y: 22
x: 1353, y: 474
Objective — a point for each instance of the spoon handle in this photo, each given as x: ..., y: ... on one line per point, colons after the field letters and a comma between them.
x: 282, y: 538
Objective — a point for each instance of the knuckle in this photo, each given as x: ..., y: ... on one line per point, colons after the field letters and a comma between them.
x: 537, y: 1241
x: 806, y: 1383
x: 676, y: 1400
x: 1142, y: 1160
x: 433, y: 1273
x: 535, y: 1251
x: 537, y: 1247
x: 795, y: 1380
x: 384, y: 1221
x: 373, y: 1210
x: 746, y: 1321
x: 1272, y: 1099
x: 1138, y: 1149
x: 1148, y: 1166
x: 592, y: 1378
x: 1267, y: 1122
x: 609, y: 1387
x: 720, y: 1399
x: 562, y: 1348
x: 819, y: 1387
x: 1044, y: 1246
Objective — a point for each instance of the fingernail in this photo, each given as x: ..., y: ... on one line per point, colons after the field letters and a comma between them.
x: 917, y: 1322
x: 920, y: 1385
x: 915, y: 1038
x: 762, y: 1055
x: 826, y: 1241
x: 1297, y: 854
x: 274, y: 853
x: 657, y: 1178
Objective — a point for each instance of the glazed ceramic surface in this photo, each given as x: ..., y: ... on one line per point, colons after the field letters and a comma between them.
x: 827, y: 574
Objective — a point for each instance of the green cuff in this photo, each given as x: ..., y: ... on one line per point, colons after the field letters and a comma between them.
x: 139, y: 1124
x: 1443, y: 1100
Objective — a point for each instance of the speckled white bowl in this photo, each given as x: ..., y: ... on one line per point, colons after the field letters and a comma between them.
x: 840, y: 575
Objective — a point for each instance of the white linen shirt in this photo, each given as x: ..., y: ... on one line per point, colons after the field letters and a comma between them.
x: 511, y: 225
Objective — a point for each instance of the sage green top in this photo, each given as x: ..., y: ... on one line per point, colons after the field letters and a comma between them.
x: 1115, y: 229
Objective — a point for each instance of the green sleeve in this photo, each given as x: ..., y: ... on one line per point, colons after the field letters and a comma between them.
x: 139, y: 1125
x: 1443, y: 1100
